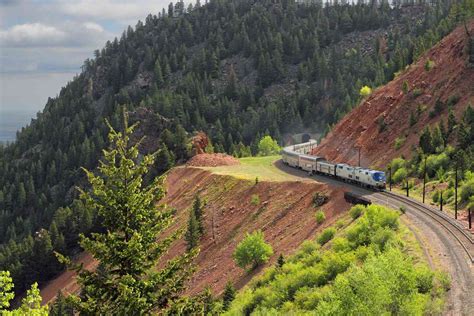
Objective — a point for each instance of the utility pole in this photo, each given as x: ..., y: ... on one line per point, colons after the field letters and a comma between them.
x: 424, y: 181
x: 408, y: 193
x: 359, y: 156
x: 441, y: 201
x: 469, y: 216
x: 456, y: 190
x: 390, y: 177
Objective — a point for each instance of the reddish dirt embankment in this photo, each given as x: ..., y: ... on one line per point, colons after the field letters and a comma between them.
x: 450, y: 76
x: 212, y: 160
x: 285, y: 214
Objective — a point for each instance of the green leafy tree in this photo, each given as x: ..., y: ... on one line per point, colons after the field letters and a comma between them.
x: 128, y: 251
x: 268, y: 146
x: 6, y: 289
x: 365, y: 91
x: 30, y: 305
x: 252, y: 251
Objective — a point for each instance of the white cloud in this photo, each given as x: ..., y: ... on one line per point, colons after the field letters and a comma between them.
x: 31, y: 34
x: 113, y: 10
x: 93, y: 26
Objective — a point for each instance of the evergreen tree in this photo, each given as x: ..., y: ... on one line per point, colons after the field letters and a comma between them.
x: 197, y: 210
x: 192, y: 232
x: 128, y: 251
x: 280, y: 261
x: 426, y: 141
x: 228, y: 295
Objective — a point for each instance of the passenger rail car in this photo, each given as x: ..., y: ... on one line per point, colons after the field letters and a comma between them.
x: 298, y: 156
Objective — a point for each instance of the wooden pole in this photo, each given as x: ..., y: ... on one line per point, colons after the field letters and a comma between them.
x: 390, y: 178
x: 456, y: 190
x: 408, y: 193
x: 424, y: 181
x: 441, y: 201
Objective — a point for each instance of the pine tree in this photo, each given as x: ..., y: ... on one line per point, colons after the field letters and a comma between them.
x: 426, y: 141
x: 192, y: 232
x: 228, y: 295
x: 280, y: 261
x: 197, y: 210
x: 451, y: 121
x: 128, y: 251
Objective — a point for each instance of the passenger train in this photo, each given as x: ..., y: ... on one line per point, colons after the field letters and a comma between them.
x: 298, y: 156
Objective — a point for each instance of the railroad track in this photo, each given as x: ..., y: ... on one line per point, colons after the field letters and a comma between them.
x: 463, y: 237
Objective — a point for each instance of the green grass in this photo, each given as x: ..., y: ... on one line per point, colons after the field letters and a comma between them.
x: 253, y: 167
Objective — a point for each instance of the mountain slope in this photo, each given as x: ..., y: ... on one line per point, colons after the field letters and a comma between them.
x: 234, y: 69
x: 381, y: 119
x: 285, y: 214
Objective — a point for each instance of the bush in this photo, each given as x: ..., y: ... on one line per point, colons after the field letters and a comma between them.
x: 467, y: 190
x: 453, y: 100
x: 255, y: 199
x: 400, y: 175
x: 417, y: 92
x: 424, y: 279
x: 365, y: 91
x: 252, y: 250
x: 397, y: 163
x: 429, y: 65
x: 403, y: 209
x: 399, y: 141
x: 268, y: 146
x: 320, y: 198
x: 320, y: 217
x: 356, y: 211
x: 326, y: 235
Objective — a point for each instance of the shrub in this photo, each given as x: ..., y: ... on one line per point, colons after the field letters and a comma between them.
x: 356, y: 211
x: 365, y: 91
x: 403, y: 209
x: 255, y: 199
x: 453, y: 100
x: 320, y: 198
x: 467, y: 190
x: 399, y: 141
x: 417, y: 92
x: 340, y: 223
x: 400, y: 175
x: 405, y: 87
x: 326, y: 235
x: 252, y: 250
x: 268, y: 146
x: 382, y: 124
x: 396, y: 164
x: 429, y: 65
x: 320, y: 217
x: 424, y: 279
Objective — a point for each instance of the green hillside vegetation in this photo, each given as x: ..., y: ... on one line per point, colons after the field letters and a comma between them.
x: 446, y: 147
x: 250, y: 168
x: 236, y: 69
x: 366, y: 269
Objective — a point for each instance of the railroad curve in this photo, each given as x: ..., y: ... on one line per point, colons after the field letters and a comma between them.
x: 449, y: 244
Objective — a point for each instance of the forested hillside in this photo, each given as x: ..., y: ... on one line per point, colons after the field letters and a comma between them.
x: 234, y: 69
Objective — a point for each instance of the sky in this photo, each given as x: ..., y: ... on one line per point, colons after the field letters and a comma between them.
x: 43, y: 44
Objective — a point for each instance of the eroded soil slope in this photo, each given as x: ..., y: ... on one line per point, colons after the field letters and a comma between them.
x: 384, y: 116
x: 285, y: 214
